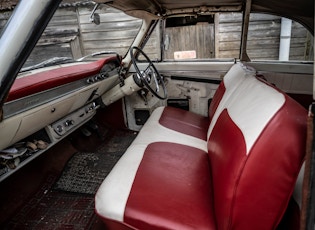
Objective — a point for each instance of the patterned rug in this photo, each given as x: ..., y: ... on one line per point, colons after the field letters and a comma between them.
x: 85, y: 171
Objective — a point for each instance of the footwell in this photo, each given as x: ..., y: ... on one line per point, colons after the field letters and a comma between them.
x: 66, y: 201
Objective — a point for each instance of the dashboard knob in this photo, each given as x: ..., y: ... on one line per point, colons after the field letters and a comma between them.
x: 69, y: 123
x: 59, y: 128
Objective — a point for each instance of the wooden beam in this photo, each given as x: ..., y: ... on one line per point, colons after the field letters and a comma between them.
x: 216, y: 36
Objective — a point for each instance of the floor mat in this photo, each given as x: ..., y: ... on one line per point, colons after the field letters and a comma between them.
x: 49, y: 209
x: 85, y: 171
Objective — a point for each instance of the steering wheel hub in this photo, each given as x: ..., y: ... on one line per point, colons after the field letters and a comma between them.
x: 149, y: 77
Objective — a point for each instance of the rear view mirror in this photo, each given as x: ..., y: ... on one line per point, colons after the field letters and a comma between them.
x: 95, y: 17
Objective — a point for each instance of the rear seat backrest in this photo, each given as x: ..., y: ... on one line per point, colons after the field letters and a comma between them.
x: 256, y: 148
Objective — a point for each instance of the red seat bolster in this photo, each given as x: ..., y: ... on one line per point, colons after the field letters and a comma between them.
x: 216, y: 99
x: 184, y: 202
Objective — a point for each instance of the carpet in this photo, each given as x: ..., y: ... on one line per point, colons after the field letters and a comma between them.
x: 49, y: 209
x: 85, y: 171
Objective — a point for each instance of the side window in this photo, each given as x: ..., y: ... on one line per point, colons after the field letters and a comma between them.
x: 152, y: 47
x: 274, y: 38
x: 228, y: 30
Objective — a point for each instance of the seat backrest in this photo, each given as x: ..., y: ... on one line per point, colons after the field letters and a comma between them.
x: 256, y: 145
x: 232, y: 79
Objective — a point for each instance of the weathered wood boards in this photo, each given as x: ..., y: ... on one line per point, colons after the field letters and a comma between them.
x: 71, y: 34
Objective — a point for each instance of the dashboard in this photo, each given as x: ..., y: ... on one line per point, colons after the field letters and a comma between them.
x: 51, y: 108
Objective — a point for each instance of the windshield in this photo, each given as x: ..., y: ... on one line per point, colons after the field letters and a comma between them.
x: 71, y: 35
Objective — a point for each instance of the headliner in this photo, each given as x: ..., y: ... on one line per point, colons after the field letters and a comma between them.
x: 298, y: 10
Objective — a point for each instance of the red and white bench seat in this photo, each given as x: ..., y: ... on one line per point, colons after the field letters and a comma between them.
x: 234, y: 170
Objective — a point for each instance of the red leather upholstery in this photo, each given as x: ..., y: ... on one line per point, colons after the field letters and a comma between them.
x: 185, y: 122
x: 179, y: 203
x: 255, y: 146
x: 216, y: 100
x: 41, y: 81
x: 263, y: 179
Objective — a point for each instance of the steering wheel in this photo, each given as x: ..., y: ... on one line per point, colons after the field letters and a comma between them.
x: 150, y: 77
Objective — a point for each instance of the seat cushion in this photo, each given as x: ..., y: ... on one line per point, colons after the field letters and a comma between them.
x: 171, y: 189
x: 157, y: 155
x: 182, y: 202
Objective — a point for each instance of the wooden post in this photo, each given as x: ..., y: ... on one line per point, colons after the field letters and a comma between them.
x: 246, y: 14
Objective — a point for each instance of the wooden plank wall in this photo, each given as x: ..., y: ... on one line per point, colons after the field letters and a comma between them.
x: 71, y: 34
x: 227, y: 35
x: 55, y: 41
x: 151, y: 48
x: 186, y: 38
x: 114, y: 33
x: 263, y: 37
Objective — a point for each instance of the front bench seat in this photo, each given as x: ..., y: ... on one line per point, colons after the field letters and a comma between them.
x: 241, y: 176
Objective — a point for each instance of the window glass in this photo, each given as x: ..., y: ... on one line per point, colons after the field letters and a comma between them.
x: 218, y: 36
x: 228, y: 30
x: 275, y: 38
x: 215, y: 36
x: 153, y: 46
x: 72, y: 34
x: 189, y: 38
